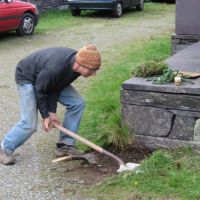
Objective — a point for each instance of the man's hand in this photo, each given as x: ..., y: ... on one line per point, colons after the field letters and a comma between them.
x: 46, y: 124
x: 53, y: 119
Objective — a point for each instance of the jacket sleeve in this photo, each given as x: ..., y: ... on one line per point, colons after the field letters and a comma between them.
x: 52, y: 101
x: 45, y: 81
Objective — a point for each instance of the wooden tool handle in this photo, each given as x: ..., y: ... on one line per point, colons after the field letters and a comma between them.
x: 62, y: 158
x: 79, y: 138
x: 88, y: 143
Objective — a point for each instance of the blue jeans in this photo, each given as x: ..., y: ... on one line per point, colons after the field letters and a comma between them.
x: 27, y: 125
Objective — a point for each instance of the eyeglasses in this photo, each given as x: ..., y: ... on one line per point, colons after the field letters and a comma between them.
x: 90, y: 69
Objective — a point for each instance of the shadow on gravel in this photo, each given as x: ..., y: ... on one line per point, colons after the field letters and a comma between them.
x: 5, y: 36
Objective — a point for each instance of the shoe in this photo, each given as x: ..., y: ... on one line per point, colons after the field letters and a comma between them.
x: 6, y: 158
x: 67, y: 150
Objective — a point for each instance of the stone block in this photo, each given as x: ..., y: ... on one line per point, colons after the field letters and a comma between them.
x: 185, y: 113
x: 180, y: 42
x: 161, y: 100
x: 144, y: 120
x: 197, y: 131
x: 154, y: 143
x: 183, y: 128
x: 140, y: 84
x: 187, y: 17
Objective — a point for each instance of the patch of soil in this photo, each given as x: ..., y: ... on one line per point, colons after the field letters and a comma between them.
x: 105, y: 166
x: 128, y: 154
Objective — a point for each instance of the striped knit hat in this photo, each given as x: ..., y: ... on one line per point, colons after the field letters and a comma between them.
x: 89, y: 57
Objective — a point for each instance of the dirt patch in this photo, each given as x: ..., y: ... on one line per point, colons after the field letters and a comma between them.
x: 128, y: 154
x: 84, y: 176
x: 105, y: 166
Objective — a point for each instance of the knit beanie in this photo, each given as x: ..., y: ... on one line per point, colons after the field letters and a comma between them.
x: 89, y: 57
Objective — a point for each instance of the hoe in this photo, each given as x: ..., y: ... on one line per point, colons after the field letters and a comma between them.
x: 122, y: 166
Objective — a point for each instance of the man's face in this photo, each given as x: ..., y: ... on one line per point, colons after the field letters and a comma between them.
x: 85, y: 72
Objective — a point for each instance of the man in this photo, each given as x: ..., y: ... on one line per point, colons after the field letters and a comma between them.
x: 43, y: 79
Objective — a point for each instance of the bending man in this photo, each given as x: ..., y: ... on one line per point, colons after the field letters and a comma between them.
x: 43, y: 79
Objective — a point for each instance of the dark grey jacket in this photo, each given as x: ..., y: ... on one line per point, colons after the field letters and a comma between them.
x: 50, y: 71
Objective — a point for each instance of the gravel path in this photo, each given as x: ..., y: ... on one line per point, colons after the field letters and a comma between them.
x: 34, y: 176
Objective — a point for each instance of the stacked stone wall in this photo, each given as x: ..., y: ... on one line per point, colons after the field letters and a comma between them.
x: 160, y: 118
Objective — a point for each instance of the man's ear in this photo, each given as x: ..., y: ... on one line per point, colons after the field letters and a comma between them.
x: 75, y: 66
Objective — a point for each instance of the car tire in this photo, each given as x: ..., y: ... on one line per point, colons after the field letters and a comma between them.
x: 118, y: 11
x: 140, y: 7
x: 27, y: 25
x: 75, y: 12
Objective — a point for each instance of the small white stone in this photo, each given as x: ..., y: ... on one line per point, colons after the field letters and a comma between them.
x: 121, y: 168
x: 128, y: 167
x: 131, y: 166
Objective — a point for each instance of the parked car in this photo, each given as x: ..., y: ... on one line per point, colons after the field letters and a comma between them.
x: 164, y: 1
x: 115, y: 6
x: 19, y: 16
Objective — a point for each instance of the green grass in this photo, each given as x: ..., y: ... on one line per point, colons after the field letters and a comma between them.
x: 165, y: 175
x: 102, y: 120
x: 57, y: 20
x: 54, y: 19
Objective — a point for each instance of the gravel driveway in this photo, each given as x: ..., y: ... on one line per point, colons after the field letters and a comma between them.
x: 34, y: 176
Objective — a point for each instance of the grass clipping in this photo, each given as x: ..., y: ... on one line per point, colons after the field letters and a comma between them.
x: 149, y: 69
x: 159, y: 73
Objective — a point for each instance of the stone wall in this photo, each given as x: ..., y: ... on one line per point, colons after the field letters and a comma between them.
x: 161, y: 117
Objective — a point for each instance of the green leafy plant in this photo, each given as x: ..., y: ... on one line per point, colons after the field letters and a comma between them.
x: 149, y: 69
x: 169, y: 76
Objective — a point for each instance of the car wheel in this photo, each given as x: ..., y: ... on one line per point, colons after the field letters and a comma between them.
x: 118, y: 11
x: 140, y: 6
x: 75, y: 12
x: 27, y: 25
